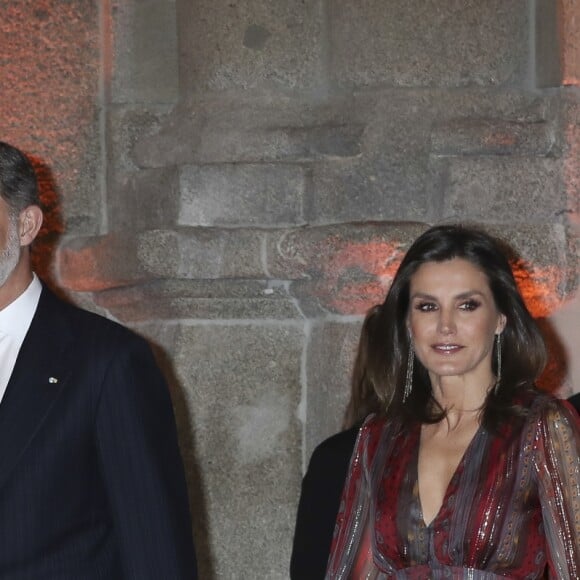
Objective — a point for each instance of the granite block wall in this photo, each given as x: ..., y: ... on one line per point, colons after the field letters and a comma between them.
x: 238, y: 181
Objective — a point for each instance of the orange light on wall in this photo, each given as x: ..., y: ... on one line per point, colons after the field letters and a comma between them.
x: 541, y: 287
x: 569, y: 24
x: 357, y: 276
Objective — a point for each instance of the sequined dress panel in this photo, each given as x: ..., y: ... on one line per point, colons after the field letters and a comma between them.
x: 511, y: 508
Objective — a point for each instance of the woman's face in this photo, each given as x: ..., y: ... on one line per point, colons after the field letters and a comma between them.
x: 453, y: 319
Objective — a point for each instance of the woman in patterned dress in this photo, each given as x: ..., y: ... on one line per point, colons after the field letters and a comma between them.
x: 470, y: 471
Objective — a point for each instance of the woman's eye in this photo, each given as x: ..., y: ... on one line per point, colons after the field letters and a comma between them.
x: 425, y: 306
x: 469, y: 305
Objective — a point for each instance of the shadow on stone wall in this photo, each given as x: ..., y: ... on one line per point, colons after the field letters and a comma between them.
x: 46, y: 244
x: 185, y: 433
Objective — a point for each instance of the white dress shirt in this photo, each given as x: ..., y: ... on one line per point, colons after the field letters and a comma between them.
x: 15, y: 321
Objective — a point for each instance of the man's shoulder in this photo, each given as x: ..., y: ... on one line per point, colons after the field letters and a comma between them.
x: 341, y: 443
x: 81, y: 322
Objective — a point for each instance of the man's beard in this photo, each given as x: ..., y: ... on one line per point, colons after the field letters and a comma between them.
x: 10, y: 255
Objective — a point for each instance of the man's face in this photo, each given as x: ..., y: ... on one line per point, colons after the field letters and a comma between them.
x: 9, y: 241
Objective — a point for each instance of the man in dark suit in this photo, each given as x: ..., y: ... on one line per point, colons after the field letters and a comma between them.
x: 91, y: 480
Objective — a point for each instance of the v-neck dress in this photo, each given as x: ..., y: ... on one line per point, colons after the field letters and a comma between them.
x: 511, y: 508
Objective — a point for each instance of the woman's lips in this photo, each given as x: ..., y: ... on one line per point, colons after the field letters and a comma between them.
x: 446, y: 348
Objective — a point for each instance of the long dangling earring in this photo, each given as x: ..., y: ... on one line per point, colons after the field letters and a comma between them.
x: 409, y: 375
x: 498, y: 341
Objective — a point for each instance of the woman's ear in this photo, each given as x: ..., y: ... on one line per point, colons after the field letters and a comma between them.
x: 29, y: 222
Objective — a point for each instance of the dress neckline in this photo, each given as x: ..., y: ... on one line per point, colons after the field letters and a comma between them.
x: 452, y: 481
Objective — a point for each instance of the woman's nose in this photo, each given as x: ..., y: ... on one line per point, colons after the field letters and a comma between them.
x: 446, y: 323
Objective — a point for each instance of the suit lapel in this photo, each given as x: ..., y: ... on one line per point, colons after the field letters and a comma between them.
x: 37, y: 381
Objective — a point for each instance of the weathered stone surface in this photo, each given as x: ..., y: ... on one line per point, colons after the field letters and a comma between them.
x: 395, y: 178
x: 570, y: 102
x: 242, y: 394
x: 163, y: 338
x: 97, y: 263
x: 566, y: 322
x: 144, y: 52
x: 461, y: 43
x: 518, y: 190
x: 251, y: 127
x: 330, y: 356
x: 554, y: 376
x: 493, y: 137
x: 128, y: 125
x: 145, y: 199
x: 569, y: 21
x: 343, y: 269
x: 389, y: 180
x: 387, y: 127
x: 509, y: 105
x: 199, y: 299
x: 566, y: 318
x: 340, y: 269
x: 544, y: 269
x: 547, y: 49
x: 387, y: 171
x: 241, y: 194
x: 49, y: 70
x: 347, y: 269
x: 382, y: 189
x: 571, y: 167
x: 327, y: 252
x: 250, y: 44
x: 202, y: 253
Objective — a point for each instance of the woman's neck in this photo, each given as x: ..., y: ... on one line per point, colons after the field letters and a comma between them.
x: 461, y: 399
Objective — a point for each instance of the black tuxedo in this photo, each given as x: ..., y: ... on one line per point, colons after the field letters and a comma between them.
x: 91, y: 480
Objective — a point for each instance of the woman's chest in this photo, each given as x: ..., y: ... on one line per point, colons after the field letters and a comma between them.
x: 490, y: 494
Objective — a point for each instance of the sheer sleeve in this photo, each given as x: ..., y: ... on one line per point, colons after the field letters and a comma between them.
x: 352, y: 514
x: 558, y: 467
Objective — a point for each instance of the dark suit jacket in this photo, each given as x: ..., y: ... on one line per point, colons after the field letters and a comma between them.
x: 319, y: 500
x: 91, y: 480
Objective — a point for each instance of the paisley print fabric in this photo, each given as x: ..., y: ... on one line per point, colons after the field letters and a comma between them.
x: 511, y: 508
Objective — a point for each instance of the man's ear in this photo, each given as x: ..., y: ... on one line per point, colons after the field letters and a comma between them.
x: 29, y: 222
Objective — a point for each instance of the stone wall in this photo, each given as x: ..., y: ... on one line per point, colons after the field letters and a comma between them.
x: 238, y: 181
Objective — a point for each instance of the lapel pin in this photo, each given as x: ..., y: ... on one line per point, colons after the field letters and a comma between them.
x: 52, y: 380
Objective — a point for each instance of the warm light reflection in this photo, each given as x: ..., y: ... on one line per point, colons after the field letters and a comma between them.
x: 569, y: 33
x: 541, y: 287
x: 50, y: 67
x: 96, y: 264
x: 357, y: 275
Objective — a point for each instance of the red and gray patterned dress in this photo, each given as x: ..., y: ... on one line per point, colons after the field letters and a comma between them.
x: 511, y: 508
